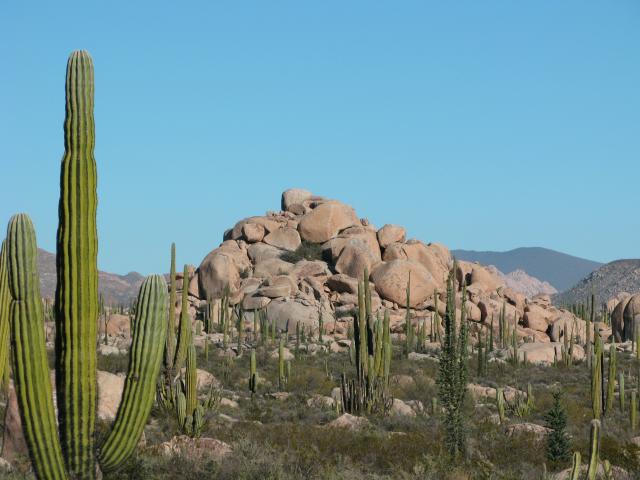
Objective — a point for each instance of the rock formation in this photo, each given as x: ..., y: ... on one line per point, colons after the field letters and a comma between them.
x: 305, y: 261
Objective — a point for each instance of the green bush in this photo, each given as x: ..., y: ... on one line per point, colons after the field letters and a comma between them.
x: 306, y: 251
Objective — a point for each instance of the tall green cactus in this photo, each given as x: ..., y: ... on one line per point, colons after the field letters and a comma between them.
x: 594, y: 450
x: 185, y: 334
x: 69, y: 452
x: 611, y: 381
x: 170, y: 349
x: 77, y: 273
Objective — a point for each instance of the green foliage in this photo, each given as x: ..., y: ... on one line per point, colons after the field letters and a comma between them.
x: 452, y: 374
x: 558, y: 444
x: 306, y: 251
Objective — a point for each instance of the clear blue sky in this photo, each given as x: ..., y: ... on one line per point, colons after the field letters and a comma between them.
x: 479, y: 124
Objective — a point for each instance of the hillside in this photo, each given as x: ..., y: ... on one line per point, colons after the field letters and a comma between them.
x: 562, y: 271
x: 116, y: 289
x: 606, y: 282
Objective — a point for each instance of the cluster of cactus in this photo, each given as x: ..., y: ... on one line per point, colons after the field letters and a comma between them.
x: 269, y: 328
x: 368, y: 392
x: 594, y: 458
x: 66, y: 448
x: 523, y: 403
x: 189, y: 410
x: 567, y: 348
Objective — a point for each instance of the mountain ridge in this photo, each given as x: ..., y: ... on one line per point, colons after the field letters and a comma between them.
x: 560, y: 270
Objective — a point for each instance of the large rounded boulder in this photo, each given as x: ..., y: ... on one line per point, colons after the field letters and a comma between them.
x: 326, y: 221
x: 391, y: 279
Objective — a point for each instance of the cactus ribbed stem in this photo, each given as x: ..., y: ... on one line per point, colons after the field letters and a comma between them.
x: 144, y: 366
x: 170, y: 351
x: 191, y: 381
x: 77, y: 286
x: 5, y: 305
x: 594, y: 450
x: 575, y: 468
x: 184, y: 336
x: 31, y: 370
x: 611, y: 383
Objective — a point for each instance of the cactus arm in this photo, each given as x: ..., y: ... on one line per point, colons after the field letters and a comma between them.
x: 144, y: 367
x: 171, y: 327
x: 77, y: 272
x: 31, y: 370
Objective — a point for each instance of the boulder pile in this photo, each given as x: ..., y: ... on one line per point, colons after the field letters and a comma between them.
x: 305, y: 261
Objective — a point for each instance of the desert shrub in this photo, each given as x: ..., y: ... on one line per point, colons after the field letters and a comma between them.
x: 306, y: 251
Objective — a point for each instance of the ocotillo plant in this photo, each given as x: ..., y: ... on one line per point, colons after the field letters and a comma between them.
x: 452, y: 372
x: 49, y: 454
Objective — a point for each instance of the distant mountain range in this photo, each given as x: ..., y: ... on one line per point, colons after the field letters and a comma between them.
x: 560, y: 270
x: 115, y: 289
x: 606, y: 282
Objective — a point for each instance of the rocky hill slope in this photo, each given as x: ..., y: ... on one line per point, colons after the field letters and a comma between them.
x: 562, y: 271
x: 521, y: 282
x: 607, y: 282
x: 116, y: 289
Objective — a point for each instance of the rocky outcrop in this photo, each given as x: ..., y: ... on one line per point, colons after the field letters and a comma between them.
x: 307, y: 259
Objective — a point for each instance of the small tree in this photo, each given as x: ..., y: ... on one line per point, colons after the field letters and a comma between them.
x: 558, y: 443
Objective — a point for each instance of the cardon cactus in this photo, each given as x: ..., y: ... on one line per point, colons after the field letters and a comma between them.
x: 70, y: 452
x: 5, y: 304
